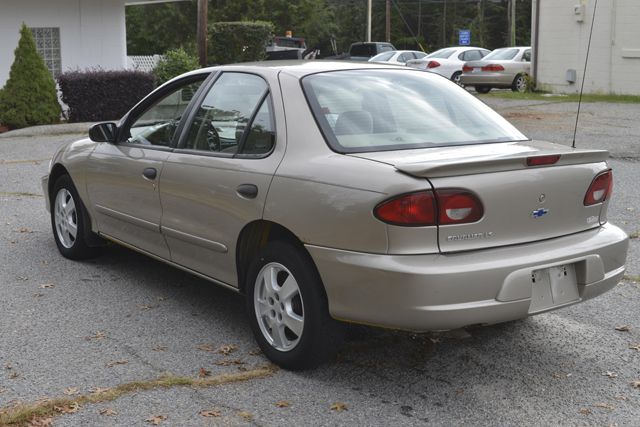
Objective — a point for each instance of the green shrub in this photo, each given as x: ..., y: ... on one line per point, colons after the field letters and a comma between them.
x: 231, y: 42
x: 174, y: 63
x: 29, y: 98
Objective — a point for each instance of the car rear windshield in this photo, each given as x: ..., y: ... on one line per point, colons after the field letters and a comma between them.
x: 384, y: 56
x: 502, y: 54
x: 379, y: 110
x: 442, y: 53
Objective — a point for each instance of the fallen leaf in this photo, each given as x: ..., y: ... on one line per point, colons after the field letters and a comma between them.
x: 3, y: 390
x: 338, y: 407
x: 604, y: 406
x: 70, y: 391
x: 116, y: 362
x: 40, y: 422
x: 162, y: 298
x: 205, y: 347
x: 147, y: 307
x: 621, y: 397
x: 14, y: 375
x: 24, y: 230
x: 23, y: 278
x: 635, y: 347
x: 156, y: 419
x: 204, y: 373
x: 255, y: 353
x: 635, y: 383
x: 459, y: 392
x: 623, y: 328
x: 159, y: 348
x: 227, y: 349
x: 47, y: 286
x: 38, y: 295
x: 108, y: 412
x: 246, y: 415
x: 98, y: 390
x: 8, y: 366
x: 561, y: 375
x: 585, y: 411
x: 609, y: 374
x: 282, y: 404
x: 229, y: 362
x: 97, y: 336
x: 72, y: 408
x: 210, y: 413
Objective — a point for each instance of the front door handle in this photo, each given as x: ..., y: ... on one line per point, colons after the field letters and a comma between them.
x: 150, y: 173
x: 248, y: 191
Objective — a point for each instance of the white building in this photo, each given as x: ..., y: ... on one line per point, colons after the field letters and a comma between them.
x: 69, y: 34
x: 560, y: 46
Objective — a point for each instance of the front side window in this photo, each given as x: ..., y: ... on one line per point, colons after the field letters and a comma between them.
x: 158, y: 123
x: 379, y: 110
x: 526, y: 56
x: 234, y: 103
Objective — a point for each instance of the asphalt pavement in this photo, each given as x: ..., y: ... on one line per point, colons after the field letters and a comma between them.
x: 71, y: 330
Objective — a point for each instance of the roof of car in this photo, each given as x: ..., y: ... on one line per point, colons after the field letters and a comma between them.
x: 299, y: 68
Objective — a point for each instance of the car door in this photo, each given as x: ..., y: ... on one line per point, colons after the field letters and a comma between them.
x: 216, y: 181
x: 122, y: 178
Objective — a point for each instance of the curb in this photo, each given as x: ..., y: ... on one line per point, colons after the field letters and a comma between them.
x: 47, y: 130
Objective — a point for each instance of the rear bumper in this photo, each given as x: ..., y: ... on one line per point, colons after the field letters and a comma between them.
x: 447, y: 291
x: 487, y: 79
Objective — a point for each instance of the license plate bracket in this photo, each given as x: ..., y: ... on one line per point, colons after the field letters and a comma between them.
x: 553, y: 286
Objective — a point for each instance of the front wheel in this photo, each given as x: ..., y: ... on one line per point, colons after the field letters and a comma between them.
x: 288, y: 308
x: 483, y: 89
x: 69, y: 221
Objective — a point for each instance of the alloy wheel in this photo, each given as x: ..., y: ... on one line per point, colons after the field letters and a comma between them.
x: 66, y: 218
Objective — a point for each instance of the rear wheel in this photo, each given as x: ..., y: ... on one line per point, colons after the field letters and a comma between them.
x: 483, y: 89
x: 456, y: 78
x: 288, y: 308
x: 519, y: 83
x: 70, y: 221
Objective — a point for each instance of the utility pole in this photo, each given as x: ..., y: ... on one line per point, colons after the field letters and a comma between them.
x: 368, y: 21
x: 444, y: 24
x: 202, y: 32
x: 419, y: 18
x: 481, y: 28
x: 388, y: 26
x: 512, y: 22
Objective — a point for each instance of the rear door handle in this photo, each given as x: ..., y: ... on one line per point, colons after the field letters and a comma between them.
x: 150, y: 173
x: 248, y: 191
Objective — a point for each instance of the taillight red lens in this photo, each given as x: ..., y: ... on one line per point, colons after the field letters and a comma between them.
x: 467, y: 69
x: 433, y: 64
x: 416, y: 209
x: 600, y: 188
x: 542, y: 160
x: 421, y: 209
x: 458, y: 207
x: 493, y: 67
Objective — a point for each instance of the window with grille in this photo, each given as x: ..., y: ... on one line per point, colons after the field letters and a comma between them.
x: 48, y: 46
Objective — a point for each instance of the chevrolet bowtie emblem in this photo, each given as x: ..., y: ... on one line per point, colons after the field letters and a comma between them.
x: 539, y: 212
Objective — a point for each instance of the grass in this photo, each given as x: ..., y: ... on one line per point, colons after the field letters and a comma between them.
x: 631, y: 278
x: 541, y: 96
x: 22, y: 415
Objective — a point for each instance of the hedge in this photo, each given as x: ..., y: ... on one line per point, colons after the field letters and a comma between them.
x: 173, y: 63
x: 97, y: 95
x: 231, y: 42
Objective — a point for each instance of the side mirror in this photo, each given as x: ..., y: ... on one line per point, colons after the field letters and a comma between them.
x: 103, y: 132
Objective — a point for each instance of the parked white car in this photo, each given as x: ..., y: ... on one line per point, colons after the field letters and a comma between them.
x: 398, y: 57
x: 448, y: 62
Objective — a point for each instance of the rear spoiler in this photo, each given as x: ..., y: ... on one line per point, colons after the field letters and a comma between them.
x: 487, y: 164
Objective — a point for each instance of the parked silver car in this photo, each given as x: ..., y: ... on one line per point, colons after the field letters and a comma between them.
x: 502, y: 68
x: 328, y: 191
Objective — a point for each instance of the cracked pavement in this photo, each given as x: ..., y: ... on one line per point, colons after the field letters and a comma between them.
x: 65, y: 324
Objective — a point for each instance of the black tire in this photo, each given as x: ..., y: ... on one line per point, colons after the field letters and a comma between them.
x: 321, y: 335
x: 483, y: 89
x: 519, y: 84
x: 76, y: 247
x: 456, y: 78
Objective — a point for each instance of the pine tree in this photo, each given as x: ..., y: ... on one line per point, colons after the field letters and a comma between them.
x: 29, y: 97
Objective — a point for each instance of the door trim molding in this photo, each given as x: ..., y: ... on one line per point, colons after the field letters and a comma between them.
x: 128, y: 218
x: 194, y: 240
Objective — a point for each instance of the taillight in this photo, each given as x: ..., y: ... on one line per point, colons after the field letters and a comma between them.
x: 433, y: 64
x: 414, y: 209
x: 600, y: 188
x: 458, y: 207
x: 448, y: 206
x: 493, y: 67
x: 467, y: 69
x: 543, y: 160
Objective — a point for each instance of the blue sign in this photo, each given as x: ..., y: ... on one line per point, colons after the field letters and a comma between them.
x: 464, y: 37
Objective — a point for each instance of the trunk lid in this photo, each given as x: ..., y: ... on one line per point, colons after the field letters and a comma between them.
x: 521, y: 203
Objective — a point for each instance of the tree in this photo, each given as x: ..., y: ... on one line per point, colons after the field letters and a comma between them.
x: 29, y: 98
x: 174, y: 63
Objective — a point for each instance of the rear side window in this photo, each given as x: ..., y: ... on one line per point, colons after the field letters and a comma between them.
x: 378, y: 110
x: 382, y: 56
